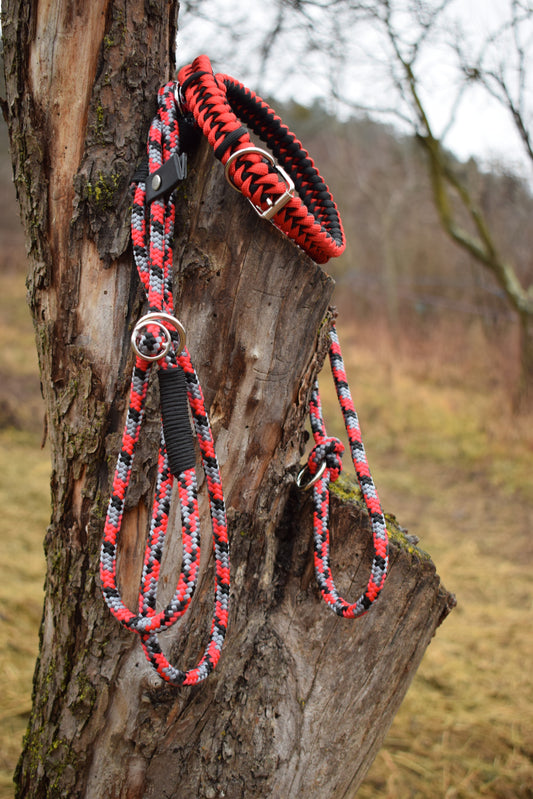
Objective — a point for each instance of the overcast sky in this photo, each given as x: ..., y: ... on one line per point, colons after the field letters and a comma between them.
x: 481, y: 129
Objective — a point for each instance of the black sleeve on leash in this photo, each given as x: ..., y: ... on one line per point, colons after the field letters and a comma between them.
x: 176, y: 424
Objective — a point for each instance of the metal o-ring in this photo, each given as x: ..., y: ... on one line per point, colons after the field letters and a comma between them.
x: 314, y: 479
x: 158, y: 318
x: 245, y: 151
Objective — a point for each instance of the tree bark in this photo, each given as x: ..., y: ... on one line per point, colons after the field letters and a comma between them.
x: 301, y: 700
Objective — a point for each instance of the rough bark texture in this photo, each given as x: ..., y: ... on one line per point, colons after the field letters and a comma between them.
x: 301, y: 700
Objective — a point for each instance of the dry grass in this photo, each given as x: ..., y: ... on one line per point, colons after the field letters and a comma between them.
x: 24, y: 498
x: 25, y: 503
x: 453, y: 463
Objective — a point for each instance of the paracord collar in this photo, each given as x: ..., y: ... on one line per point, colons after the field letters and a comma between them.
x: 217, y: 102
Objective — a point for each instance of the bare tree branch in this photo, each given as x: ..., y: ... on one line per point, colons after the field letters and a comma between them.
x: 402, y: 37
x: 512, y: 66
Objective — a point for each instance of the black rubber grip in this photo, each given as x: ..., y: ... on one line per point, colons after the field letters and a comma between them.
x: 176, y: 424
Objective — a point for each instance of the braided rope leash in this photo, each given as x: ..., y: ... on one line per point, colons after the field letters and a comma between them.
x: 159, y: 338
x: 218, y: 103
x: 312, y: 221
x: 325, y: 465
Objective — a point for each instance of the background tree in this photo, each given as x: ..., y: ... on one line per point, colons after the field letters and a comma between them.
x: 391, y: 59
x: 500, y: 67
x: 81, y: 81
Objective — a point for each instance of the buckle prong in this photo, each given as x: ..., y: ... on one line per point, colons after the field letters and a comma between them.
x: 282, y: 200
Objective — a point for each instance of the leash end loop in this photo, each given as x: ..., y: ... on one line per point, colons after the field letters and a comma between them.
x: 326, y: 454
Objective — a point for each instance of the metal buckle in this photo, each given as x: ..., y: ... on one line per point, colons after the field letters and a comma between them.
x: 180, y: 99
x: 282, y: 200
x: 314, y: 479
x: 157, y: 319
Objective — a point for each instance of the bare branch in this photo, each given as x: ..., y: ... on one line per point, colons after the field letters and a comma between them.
x: 512, y: 67
x: 483, y: 249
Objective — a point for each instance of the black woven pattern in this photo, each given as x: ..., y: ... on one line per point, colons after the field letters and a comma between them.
x: 219, y: 105
x: 289, y: 151
x: 175, y: 417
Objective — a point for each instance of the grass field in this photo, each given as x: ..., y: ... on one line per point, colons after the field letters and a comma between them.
x: 450, y: 460
x: 454, y: 464
x: 25, y: 503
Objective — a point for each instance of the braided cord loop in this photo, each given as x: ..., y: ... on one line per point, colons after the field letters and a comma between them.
x: 152, y: 248
x: 219, y: 103
x: 329, y: 451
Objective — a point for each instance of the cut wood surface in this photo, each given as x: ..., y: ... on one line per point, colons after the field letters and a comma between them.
x: 301, y: 699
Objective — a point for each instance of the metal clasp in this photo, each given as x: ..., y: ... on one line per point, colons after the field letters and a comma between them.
x: 179, y: 98
x: 283, y: 199
x: 314, y: 479
x: 158, y: 319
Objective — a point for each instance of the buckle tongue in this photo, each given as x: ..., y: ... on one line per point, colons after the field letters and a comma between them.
x: 282, y: 200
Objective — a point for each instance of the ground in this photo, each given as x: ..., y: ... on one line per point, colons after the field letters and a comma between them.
x: 450, y: 460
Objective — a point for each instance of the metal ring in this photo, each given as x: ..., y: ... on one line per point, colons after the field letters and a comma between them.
x: 180, y: 100
x: 157, y: 318
x: 273, y: 207
x: 313, y: 480
x: 245, y: 150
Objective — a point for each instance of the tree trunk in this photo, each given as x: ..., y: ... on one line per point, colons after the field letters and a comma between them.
x: 524, y: 398
x: 301, y: 700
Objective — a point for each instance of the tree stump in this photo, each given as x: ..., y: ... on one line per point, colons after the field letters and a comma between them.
x: 301, y: 700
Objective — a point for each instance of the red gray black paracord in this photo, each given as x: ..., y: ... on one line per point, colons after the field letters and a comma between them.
x: 178, y: 382
x: 324, y: 465
x: 311, y: 219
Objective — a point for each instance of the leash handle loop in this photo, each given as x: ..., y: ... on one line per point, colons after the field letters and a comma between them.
x: 324, y: 466
x: 160, y: 337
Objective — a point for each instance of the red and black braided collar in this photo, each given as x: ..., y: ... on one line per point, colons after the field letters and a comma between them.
x: 219, y: 104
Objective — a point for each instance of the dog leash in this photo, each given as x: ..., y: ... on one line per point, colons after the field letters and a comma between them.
x: 160, y: 338
x: 216, y: 104
x: 324, y: 466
